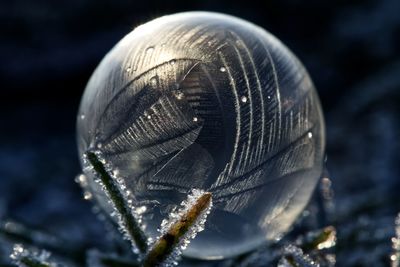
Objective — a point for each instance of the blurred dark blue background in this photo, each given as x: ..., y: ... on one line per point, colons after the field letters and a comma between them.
x: 48, y: 50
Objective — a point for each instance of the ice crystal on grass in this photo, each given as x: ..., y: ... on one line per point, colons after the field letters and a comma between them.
x: 193, y: 230
x: 23, y: 257
x: 294, y: 256
x: 121, y: 199
x: 182, y: 225
x: 183, y: 209
x: 177, y: 231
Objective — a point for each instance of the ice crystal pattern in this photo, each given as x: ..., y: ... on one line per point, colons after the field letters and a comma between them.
x: 209, y: 101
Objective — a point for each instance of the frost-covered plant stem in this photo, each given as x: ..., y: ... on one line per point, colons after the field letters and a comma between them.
x: 25, y: 258
x: 184, y: 226
x: 165, y: 245
x: 132, y: 227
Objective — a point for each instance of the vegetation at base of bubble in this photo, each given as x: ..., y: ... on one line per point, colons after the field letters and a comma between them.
x: 316, y: 247
x: 19, y: 233
x: 271, y: 256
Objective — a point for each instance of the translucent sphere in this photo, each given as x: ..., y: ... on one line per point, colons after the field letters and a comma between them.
x: 208, y: 101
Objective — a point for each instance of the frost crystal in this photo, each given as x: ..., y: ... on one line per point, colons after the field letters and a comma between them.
x: 184, y: 207
x: 23, y: 257
x: 295, y: 254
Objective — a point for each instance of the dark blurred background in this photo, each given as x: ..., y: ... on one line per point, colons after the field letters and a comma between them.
x: 49, y: 49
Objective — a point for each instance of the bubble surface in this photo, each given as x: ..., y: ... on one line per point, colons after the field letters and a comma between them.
x: 246, y: 125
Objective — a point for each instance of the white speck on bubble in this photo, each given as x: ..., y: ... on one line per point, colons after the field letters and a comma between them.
x: 195, y: 119
x: 179, y: 95
x: 309, y: 135
x: 154, y: 81
x: 243, y: 99
x: 222, y: 69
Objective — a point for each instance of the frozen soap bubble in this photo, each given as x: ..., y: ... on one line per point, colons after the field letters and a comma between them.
x: 208, y: 101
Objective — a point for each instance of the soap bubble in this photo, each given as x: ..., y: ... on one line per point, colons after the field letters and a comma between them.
x: 209, y: 102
